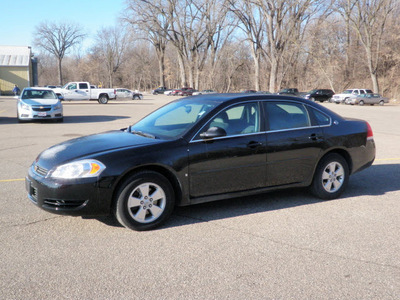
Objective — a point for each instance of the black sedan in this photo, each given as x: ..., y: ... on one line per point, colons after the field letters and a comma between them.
x: 200, y: 149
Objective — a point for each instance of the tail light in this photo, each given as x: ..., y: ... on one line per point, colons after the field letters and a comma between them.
x: 370, y: 134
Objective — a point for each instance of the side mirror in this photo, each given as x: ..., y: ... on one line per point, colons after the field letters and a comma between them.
x: 60, y: 97
x: 213, y: 132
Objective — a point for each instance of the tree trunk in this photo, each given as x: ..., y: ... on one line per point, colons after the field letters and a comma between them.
x: 60, y: 79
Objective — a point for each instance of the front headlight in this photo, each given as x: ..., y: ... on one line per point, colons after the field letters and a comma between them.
x: 57, y: 107
x: 25, y: 106
x: 79, y: 169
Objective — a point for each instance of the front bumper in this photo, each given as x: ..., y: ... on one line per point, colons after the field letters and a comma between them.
x: 83, y: 197
x: 30, y: 114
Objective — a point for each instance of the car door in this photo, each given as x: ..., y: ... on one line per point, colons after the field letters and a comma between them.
x: 232, y: 163
x: 70, y: 91
x: 293, y: 145
x: 83, y: 92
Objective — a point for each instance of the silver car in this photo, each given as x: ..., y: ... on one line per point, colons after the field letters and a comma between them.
x: 370, y: 99
x: 39, y: 104
x: 125, y: 93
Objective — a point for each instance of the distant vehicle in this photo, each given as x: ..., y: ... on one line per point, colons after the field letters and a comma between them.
x: 84, y: 91
x: 249, y: 91
x: 39, y: 104
x: 320, y: 95
x: 169, y: 92
x: 178, y: 92
x: 53, y: 86
x: 349, y: 94
x: 186, y: 92
x: 159, y: 90
x: 204, y: 92
x: 129, y: 94
x: 290, y: 91
x: 263, y: 92
x: 370, y: 99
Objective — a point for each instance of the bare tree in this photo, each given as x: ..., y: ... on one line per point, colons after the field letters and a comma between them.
x: 111, y: 44
x: 153, y: 25
x: 57, y: 39
x: 252, y: 22
x: 368, y: 18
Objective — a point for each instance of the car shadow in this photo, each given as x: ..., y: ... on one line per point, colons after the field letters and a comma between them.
x: 374, y: 181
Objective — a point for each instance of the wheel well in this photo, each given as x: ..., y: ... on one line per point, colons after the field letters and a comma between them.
x: 344, y: 154
x: 163, y: 171
x: 103, y: 94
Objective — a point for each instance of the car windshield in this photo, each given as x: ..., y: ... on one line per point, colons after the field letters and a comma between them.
x: 38, y: 94
x: 312, y: 91
x: 173, y: 120
x: 347, y: 91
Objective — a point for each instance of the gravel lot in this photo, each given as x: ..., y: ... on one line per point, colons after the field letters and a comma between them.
x: 281, y: 245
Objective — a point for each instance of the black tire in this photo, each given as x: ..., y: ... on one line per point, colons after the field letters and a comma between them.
x: 136, y: 206
x: 331, y: 177
x: 381, y: 103
x: 103, y: 99
x: 361, y: 103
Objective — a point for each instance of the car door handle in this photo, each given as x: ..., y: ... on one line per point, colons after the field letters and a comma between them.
x: 254, y: 144
x: 315, y: 137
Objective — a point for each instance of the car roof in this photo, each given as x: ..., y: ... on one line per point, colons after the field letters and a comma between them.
x: 38, y: 88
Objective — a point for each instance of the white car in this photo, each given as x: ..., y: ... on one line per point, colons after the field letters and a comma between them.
x: 204, y: 92
x: 39, y: 104
x: 349, y: 94
x: 168, y: 93
x: 125, y: 93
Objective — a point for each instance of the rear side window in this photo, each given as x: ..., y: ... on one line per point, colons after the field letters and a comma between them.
x: 321, y: 118
x: 83, y: 86
x: 281, y: 115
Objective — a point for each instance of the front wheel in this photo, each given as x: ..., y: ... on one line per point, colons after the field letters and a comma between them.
x: 361, y: 102
x: 103, y: 99
x: 144, y: 201
x: 331, y: 177
x: 381, y: 103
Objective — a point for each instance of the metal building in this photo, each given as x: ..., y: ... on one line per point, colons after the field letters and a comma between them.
x: 17, y: 66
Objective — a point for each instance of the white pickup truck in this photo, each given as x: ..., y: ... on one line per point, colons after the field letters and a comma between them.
x: 83, y: 91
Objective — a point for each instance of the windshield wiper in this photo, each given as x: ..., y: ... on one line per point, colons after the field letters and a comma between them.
x: 141, y: 133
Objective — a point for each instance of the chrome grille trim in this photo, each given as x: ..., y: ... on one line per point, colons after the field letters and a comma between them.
x: 39, y: 170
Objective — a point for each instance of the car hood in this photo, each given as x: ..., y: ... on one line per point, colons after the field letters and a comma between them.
x: 88, y: 145
x: 40, y: 101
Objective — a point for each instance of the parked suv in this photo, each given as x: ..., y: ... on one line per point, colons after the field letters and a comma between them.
x: 290, y: 91
x: 159, y: 90
x: 349, y: 94
x: 320, y: 95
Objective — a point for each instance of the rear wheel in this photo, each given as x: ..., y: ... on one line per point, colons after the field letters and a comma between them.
x: 331, y: 177
x: 381, y: 103
x: 144, y: 201
x: 103, y: 99
x: 361, y: 102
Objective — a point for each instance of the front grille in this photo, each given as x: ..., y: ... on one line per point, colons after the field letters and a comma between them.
x: 63, y: 204
x: 40, y: 171
x: 41, y: 108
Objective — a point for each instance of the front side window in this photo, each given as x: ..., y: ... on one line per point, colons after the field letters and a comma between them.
x: 282, y: 115
x: 72, y: 86
x: 236, y: 120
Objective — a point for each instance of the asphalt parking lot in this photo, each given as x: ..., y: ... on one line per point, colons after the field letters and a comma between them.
x: 281, y: 245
